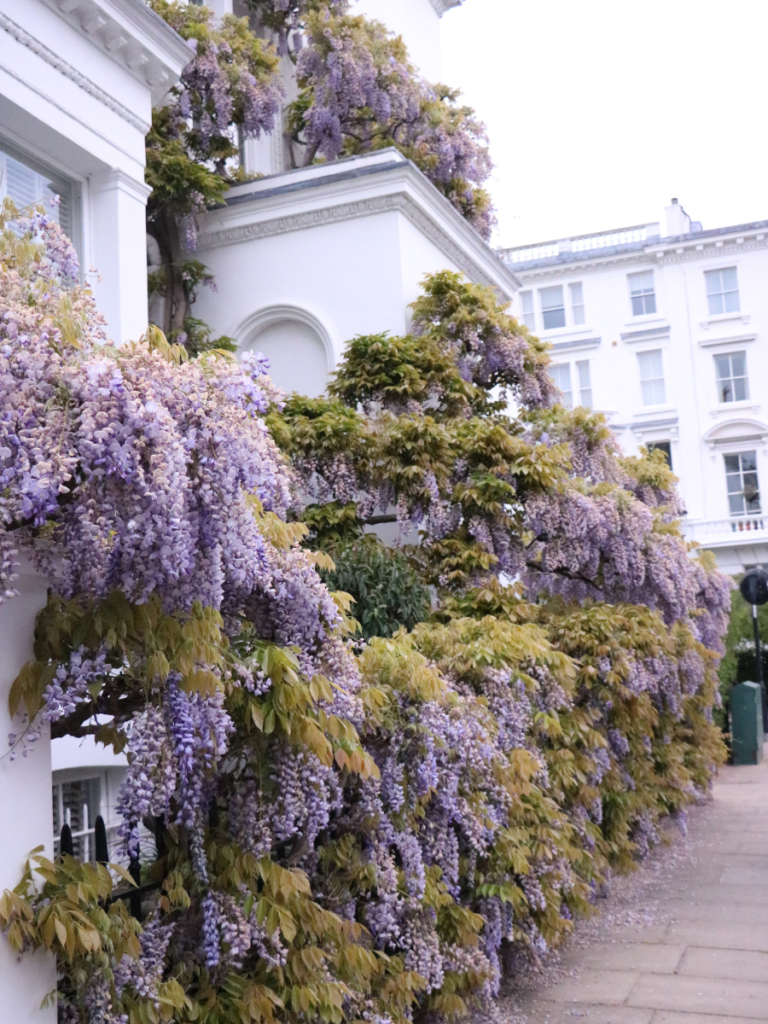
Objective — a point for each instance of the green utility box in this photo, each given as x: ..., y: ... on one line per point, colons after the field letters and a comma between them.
x: 747, y: 723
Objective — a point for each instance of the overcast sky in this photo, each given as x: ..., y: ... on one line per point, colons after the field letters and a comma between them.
x: 599, y: 111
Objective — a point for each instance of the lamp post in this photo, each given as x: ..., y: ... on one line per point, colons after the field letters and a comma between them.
x: 754, y: 590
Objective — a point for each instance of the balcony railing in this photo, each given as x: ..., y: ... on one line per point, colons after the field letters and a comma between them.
x: 727, y: 532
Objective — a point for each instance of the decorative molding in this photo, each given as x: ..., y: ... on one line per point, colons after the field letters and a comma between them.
x: 649, y: 334
x: 35, y: 46
x: 132, y: 35
x: 399, y: 202
x: 754, y: 432
x: 647, y: 426
x: 738, y: 339
x: 120, y: 181
x: 579, y: 343
x: 248, y: 331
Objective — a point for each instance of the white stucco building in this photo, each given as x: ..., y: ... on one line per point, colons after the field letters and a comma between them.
x: 78, y: 79
x: 666, y: 332
x: 306, y: 259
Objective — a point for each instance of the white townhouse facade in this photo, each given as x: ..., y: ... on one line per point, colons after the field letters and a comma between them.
x: 667, y: 335
x: 78, y: 80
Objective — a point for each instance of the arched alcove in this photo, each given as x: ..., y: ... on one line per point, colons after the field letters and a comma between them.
x: 296, y: 342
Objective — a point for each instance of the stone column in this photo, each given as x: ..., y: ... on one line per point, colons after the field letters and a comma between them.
x: 26, y: 819
x: 119, y: 247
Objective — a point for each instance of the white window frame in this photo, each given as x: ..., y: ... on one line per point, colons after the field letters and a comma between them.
x: 571, y: 320
x: 43, y: 166
x: 731, y: 379
x: 745, y: 513
x: 652, y: 380
x: 725, y: 313
x: 576, y: 381
x: 643, y: 296
x: 552, y: 309
x: 528, y: 315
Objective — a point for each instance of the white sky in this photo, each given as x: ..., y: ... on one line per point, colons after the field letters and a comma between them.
x: 599, y: 111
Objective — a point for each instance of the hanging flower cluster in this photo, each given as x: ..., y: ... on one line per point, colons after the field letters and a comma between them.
x: 329, y: 832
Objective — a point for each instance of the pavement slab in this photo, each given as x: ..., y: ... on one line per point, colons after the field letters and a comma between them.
x: 685, y: 940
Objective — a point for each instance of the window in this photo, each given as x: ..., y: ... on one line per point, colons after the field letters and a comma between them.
x: 642, y: 294
x: 28, y: 183
x: 552, y: 307
x: 585, y: 383
x: 76, y: 804
x: 561, y: 375
x: 741, y: 479
x: 732, y: 385
x: 662, y: 446
x: 722, y: 291
x: 577, y: 303
x: 652, y: 377
x: 526, y: 304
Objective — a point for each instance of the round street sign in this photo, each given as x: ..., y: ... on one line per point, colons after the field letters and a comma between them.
x: 754, y: 586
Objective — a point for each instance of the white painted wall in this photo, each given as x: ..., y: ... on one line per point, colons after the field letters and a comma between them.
x: 701, y: 429
x: 76, y: 91
x: 417, y: 21
x: 328, y: 253
x: 25, y: 806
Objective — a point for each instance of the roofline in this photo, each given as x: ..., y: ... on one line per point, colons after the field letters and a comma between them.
x: 654, y: 245
x: 117, y: 26
x: 355, y: 187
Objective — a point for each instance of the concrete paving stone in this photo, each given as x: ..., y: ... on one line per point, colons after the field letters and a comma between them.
x: 738, y: 964
x: 610, y: 988
x: 589, y: 1013
x: 716, y: 911
x: 701, y: 995
x: 636, y: 933
x: 720, y: 936
x: 669, y: 1017
x: 745, y: 874
x: 653, y: 958
x: 753, y: 842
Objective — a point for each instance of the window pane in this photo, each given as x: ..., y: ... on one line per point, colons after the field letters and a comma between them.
x: 732, y: 302
x: 650, y: 364
x: 749, y: 462
x: 585, y: 398
x: 732, y: 464
x: 712, y: 278
x: 552, y: 307
x: 723, y: 367
x: 584, y: 376
x: 739, y: 364
x: 662, y: 446
x: 526, y: 304
x: 639, y: 283
x: 638, y: 306
x: 740, y: 389
x: 551, y: 298
x: 736, y: 504
x: 561, y: 375
x: 728, y: 279
x: 650, y: 304
x: 716, y: 305
x: 553, y: 318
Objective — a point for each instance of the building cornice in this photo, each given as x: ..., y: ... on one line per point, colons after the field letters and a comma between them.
x: 365, y: 186
x: 682, y: 249
x: 23, y: 37
x: 133, y: 36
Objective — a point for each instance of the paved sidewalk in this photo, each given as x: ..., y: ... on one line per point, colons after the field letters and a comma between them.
x: 701, y: 956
